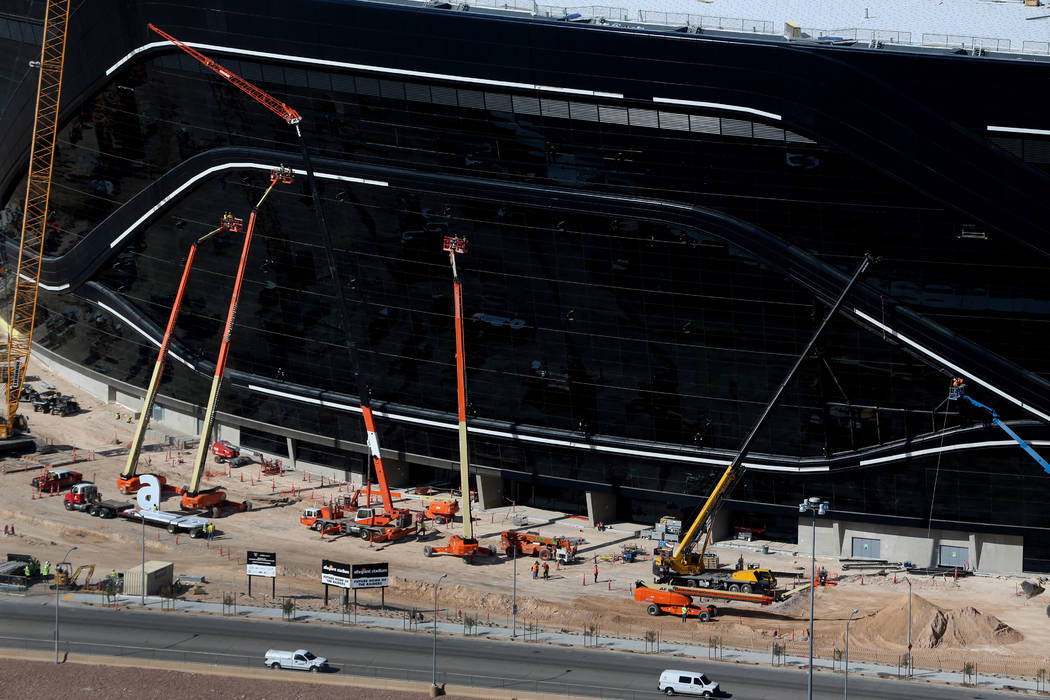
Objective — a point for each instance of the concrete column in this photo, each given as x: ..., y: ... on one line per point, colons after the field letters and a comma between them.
x: 601, y: 507
x: 720, y: 526
x: 291, y: 452
x: 490, y: 490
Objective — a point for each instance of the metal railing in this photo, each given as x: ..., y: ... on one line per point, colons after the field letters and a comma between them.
x: 727, y: 24
x: 616, y: 14
x: 956, y: 41
x: 423, y: 675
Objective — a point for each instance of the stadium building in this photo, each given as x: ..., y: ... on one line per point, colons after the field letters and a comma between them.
x: 660, y: 210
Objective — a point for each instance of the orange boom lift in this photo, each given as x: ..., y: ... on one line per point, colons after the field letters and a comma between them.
x: 466, y: 546
x: 128, y: 481
x: 292, y: 118
x: 192, y: 498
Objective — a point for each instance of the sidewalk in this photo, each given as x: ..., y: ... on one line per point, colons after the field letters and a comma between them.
x: 504, y: 633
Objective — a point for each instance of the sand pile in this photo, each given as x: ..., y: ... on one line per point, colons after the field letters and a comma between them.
x: 934, y: 627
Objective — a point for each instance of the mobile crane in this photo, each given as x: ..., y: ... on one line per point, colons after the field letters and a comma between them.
x: 192, y: 498
x: 34, y: 216
x: 679, y: 566
x: 128, y: 482
x: 293, y: 118
x: 958, y: 391
x: 466, y: 546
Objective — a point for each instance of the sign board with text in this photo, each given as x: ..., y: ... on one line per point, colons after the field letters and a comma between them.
x: 262, y: 564
x: 370, y: 575
x: 334, y: 573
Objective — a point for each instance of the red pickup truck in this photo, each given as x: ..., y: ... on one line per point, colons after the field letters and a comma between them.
x: 56, y: 479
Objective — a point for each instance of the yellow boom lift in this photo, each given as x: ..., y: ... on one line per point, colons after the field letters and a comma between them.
x: 680, y: 565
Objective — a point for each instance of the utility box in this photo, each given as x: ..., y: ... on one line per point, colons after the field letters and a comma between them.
x: 792, y: 31
x: 159, y: 577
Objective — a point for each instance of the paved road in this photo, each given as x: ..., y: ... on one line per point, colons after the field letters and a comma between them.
x: 480, y: 662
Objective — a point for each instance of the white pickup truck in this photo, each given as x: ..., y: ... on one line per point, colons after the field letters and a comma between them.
x: 300, y: 659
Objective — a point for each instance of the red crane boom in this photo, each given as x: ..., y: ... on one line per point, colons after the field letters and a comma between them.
x: 270, y: 102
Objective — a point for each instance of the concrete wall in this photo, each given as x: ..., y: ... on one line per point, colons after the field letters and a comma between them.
x: 986, y: 553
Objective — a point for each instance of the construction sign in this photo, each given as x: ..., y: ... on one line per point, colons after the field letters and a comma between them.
x: 370, y: 575
x: 262, y: 564
x: 334, y: 573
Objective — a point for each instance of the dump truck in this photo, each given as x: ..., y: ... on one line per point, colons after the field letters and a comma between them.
x: 533, y: 544
x: 314, y: 517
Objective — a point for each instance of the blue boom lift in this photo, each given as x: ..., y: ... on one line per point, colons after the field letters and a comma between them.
x: 958, y: 391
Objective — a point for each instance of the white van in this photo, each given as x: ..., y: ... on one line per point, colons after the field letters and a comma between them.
x: 687, y: 683
x: 300, y: 659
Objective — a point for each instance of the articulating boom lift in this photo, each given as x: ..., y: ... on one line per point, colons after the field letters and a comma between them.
x: 292, y: 118
x: 192, y: 499
x: 958, y: 391
x: 685, y: 567
x: 128, y: 482
x: 466, y: 546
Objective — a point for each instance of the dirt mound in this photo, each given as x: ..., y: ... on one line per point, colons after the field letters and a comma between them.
x: 934, y: 627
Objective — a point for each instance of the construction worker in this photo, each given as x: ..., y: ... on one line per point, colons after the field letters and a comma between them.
x: 535, y: 569
x: 685, y: 613
x: 112, y: 573
x: 46, y: 570
x: 28, y: 571
x: 422, y: 528
x: 546, y: 571
x: 596, y: 572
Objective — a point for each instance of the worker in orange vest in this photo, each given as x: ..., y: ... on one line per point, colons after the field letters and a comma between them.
x: 535, y: 569
x: 596, y: 573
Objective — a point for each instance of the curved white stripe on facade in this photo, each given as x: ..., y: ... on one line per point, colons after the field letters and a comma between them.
x: 717, y: 105
x: 947, y: 363
x: 1019, y: 130
x: 144, y: 334
x: 226, y: 166
x: 287, y: 58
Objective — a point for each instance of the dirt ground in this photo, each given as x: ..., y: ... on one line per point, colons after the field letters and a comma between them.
x: 569, y: 601
x: 103, y: 680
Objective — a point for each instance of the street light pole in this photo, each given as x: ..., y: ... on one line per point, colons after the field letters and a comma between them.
x: 908, y: 581
x: 57, y: 568
x: 845, y: 677
x: 514, y: 608
x: 434, y: 669
x: 142, y: 582
x: 817, y: 507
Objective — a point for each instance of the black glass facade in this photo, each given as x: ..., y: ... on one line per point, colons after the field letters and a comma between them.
x: 640, y: 278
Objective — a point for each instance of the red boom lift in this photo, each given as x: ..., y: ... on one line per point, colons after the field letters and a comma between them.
x: 128, y: 481
x: 292, y: 117
x: 192, y: 498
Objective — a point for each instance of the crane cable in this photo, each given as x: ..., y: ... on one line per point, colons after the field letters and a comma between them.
x: 937, y: 470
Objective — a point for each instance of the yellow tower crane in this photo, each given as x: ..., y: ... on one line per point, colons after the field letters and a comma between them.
x: 34, y: 217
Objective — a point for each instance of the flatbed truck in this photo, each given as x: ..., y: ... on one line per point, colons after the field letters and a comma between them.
x: 86, y: 498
